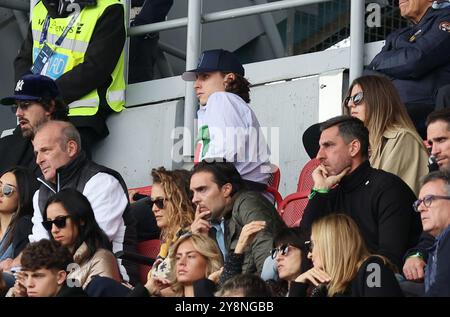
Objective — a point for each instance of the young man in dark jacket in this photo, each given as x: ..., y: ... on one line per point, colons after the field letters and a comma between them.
x: 224, y: 207
x: 36, y: 100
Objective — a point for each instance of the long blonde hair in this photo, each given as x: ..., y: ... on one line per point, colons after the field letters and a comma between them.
x: 384, y: 110
x: 206, y: 247
x: 179, y: 208
x: 341, y: 249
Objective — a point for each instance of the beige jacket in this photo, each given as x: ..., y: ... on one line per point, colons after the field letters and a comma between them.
x: 404, y: 155
x: 102, y: 263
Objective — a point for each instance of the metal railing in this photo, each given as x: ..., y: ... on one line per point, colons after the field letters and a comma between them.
x: 195, y: 18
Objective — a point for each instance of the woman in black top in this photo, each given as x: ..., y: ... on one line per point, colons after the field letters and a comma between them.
x: 342, y: 265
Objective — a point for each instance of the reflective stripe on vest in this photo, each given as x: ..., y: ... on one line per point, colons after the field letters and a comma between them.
x: 68, y: 44
x: 72, y: 51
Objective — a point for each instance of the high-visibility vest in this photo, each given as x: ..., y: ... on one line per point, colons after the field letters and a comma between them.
x: 72, y: 51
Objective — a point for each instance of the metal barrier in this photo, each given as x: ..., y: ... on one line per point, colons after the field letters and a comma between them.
x: 195, y: 18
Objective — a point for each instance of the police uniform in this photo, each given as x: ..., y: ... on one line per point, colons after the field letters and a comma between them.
x: 417, y: 60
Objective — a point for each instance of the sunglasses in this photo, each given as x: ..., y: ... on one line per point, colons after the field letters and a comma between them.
x: 356, y: 99
x: 159, y: 202
x: 59, y: 222
x: 427, y: 200
x: 309, y: 245
x: 283, y: 250
x: 7, y: 190
x: 22, y: 104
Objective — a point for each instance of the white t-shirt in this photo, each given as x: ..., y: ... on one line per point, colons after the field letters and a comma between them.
x: 229, y: 129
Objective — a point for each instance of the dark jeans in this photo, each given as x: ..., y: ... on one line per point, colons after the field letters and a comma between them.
x: 9, y: 279
x: 412, y: 289
x: 143, y: 54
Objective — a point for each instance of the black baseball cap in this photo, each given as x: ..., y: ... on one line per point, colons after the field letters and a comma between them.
x: 32, y: 87
x: 215, y: 60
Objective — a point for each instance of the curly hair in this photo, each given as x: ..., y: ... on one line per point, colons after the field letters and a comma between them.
x: 45, y: 254
x: 179, y: 208
x: 239, y: 86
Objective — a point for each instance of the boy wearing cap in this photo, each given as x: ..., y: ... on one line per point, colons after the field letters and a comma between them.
x: 228, y: 128
x: 35, y: 100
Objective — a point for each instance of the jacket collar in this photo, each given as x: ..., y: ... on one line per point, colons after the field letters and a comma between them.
x: 357, y: 177
x: 66, y: 173
x: 81, y: 253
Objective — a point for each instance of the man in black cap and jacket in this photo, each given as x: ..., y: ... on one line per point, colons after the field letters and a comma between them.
x: 36, y: 100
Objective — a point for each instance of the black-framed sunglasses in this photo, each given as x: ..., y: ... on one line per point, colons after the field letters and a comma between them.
x: 22, y: 104
x: 159, y: 202
x: 309, y: 245
x: 427, y: 200
x: 59, y: 222
x: 282, y: 249
x: 7, y: 190
x: 356, y: 98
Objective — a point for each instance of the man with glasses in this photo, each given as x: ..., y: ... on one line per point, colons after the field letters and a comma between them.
x: 379, y: 202
x: 434, y: 208
x: 438, y: 135
x: 35, y: 100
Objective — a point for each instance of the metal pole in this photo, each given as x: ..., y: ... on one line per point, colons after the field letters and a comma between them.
x: 223, y: 15
x: 22, y: 21
x: 15, y: 5
x: 192, y: 53
x: 270, y: 28
x: 290, y: 36
x: 356, y: 38
x: 172, y: 50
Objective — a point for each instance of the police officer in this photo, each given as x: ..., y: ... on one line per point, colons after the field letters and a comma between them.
x: 79, y: 44
x: 416, y: 58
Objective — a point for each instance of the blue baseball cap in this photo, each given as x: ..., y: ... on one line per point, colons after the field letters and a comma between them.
x: 213, y: 61
x: 32, y: 87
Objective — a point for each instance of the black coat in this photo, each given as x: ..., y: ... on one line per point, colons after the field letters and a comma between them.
x: 381, y: 205
x: 416, y: 58
x: 15, y: 150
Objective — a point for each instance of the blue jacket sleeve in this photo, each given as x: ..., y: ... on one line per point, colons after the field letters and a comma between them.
x: 441, y: 286
x: 404, y: 59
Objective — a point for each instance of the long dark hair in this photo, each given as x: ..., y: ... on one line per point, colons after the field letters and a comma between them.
x: 26, y: 187
x: 82, y: 215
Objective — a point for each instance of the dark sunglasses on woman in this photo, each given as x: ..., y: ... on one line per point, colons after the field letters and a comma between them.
x: 59, y: 222
x: 356, y: 99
